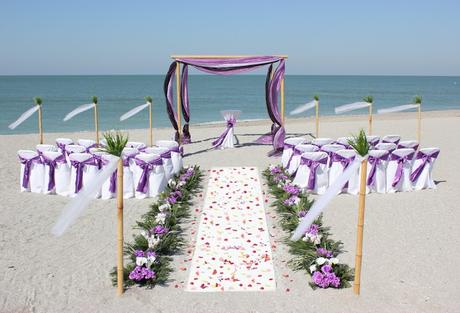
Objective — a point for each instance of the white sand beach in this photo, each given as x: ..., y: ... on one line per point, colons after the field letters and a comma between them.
x: 411, y: 239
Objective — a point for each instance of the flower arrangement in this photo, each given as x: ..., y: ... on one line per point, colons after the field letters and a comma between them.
x: 316, y: 253
x: 160, y: 233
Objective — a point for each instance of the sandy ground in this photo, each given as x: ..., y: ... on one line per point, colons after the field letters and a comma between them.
x: 410, y: 246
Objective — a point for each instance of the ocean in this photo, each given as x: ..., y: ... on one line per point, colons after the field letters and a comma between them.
x: 208, y: 95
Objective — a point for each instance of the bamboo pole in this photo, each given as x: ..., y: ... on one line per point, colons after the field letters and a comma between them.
x: 282, y: 100
x: 179, y: 116
x: 359, y: 239
x: 370, y: 118
x: 40, y: 124
x: 120, y: 227
x: 419, y: 123
x: 317, y: 117
x: 96, y: 123
x: 150, y: 123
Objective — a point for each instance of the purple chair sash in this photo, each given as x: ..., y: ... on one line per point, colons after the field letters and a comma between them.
x: 146, y: 168
x: 374, y: 162
x: 27, y: 164
x: 230, y: 124
x: 312, y: 165
x: 79, y: 171
x: 52, y: 166
x: 427, y: 158
x: 177, y: 149
x: 127, y: 158
x: 294, y: 152
x: 344, y: 161
x: 399, y: 169
x: 166, y: 155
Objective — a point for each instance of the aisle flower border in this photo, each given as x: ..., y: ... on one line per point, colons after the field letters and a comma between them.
x: 160, y: 234
x: 316, y: 252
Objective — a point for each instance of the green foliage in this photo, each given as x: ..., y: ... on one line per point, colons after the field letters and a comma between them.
x: 368, y: 99
x: 359, y: 143
x: 418, y: 99
x: 316, y: 97
x: 148, y: 99
x: 94, y: 99
x: 116, y: 142
x: 38, y: 100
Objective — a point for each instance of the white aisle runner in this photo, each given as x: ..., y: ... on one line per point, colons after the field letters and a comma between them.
x: 233, y: 251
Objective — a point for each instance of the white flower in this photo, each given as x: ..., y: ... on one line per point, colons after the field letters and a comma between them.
x: 153, y: 241
x: 320, y: 261
x: 140, y: 260
x: 297, y: 200
x: 312, y: 268
x: 164, y: 207
x: 145, y: 234
x: 151, y: 259
x: 334, y: 261
x: 171, y: 182
x: 271, y: 166
x: 161, y: 217
x: 181, y: 183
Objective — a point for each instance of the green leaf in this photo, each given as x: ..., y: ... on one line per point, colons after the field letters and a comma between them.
x: 38, y: 100
x: 148, y: 99
x: 316, y: 97
x: 359, y: 143
x: 94, y: 99
x: 116, y: 142
x: 368, y: 99
x: 418, y: 99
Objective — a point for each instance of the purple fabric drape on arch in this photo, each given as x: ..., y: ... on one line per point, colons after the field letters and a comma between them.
x: 229, y: 66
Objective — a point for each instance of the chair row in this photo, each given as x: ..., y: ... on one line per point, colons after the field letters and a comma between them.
x: 65, y: 171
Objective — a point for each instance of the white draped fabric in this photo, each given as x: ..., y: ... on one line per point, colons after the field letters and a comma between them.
x: 133, y: 111
x: 398, y: 108
x: 304, y: 107
x: 82, y: 108
x: 352, y: 106
x: 23, y: 117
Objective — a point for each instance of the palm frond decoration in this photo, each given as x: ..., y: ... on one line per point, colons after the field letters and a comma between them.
x: 116, y: 142
x: 148, y: 99
x: 38, y: 100
x: 418, y: 99
x: 359, y: 143
x: 94, y: 99
x: 368, y: 99
x: 316, y: 97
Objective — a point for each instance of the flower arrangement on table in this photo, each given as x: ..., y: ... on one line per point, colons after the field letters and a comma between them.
x: 317, y: 253
x: 160, y: 233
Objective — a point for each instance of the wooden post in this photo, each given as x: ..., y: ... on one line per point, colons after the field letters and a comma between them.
x: 359, y: 239
x: 370, y: 118
x: 120, y: 227
x: 150, y: 123
x: 179, y: 115
x: 40, y: 124
x: 317, y: 117
x: 96, y: 123
x: 419, y: 123
x: 282, y: 100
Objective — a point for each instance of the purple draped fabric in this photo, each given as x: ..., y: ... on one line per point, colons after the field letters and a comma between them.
x: 52, y: 167
x: 146, y: 166
x: 312, y: 165
x: 374, y: 162
x: 79, y: 171
x: 426, y: 158
x: 230, y: 123
x: 399, y: 169
x: 27, y: 164
x: 228, y: 66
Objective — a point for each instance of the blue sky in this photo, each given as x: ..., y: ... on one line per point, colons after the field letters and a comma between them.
x: 320, y: 37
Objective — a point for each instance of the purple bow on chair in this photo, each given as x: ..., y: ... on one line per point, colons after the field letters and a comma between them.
x: 399, y: 169
x: 427, y: 158
x: 27, y: 164
x: 146, y: 168
x: 230, y: 124
x: 374, y: 162
x: 166, y: 154
x: 312, y: 165
x: 61, y: 147
x: 294, y: 153
x: 177, y: 149
x: 79, y: 165
x: 52, y: 166
x: 343, y: 160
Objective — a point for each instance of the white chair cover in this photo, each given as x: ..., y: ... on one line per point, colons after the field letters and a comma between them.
x: 391, y: 139
x: 176, y: 153
x: 329, y: 149
x: 421, y: 176
x: 390, y: 147
x: 42, y: 148
x: 69, y: 149
x: 226, y: 139
x: 165, y: 156
x: 294, y: 162
x: 56, y: 173
x: 399, y: 169
x: 321, y: 141
x: 340, y: 160
x: 136, y: 144
x: 109, y: 187
x: 373, y: 140
x: 411, y: 144
x: 31, y: 178
x: 149, y: 175
x: 376, y: 171
x: 83, y: 169
x: 87, y: 143
x: 61, y: 143
x: 289, y: 145
x: 128, y: 181
x: 344, y: 142
x: 313, y: 172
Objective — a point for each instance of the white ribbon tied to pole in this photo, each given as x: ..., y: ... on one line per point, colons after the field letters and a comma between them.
x: 23, y: 117
x: 320, y: 204
x: 133, y: 111
x: 78, y: 110
x: 351, y: 107
x: 81, y: 201
x: 304, y: 107
x: 398, y: 108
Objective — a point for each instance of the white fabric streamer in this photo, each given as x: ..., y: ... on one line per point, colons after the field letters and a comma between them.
x: 398, y: 108
x: 81, y: 201
x: 303, y: 108
x: 320, y: 204
x: 80, y: 109
x: 351, y: 107
x: 23, y: 117
x: 133, y: 111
